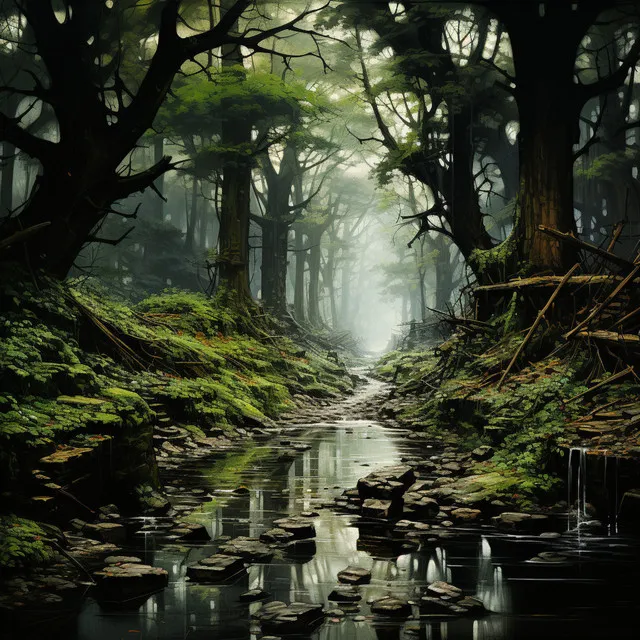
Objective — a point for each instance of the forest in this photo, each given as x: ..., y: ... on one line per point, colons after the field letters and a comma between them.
x: 319, y: 319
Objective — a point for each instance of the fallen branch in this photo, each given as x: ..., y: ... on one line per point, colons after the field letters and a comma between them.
x: 570, y: 239
x: 550, y: 281
x: 537, y: 321
x: 613, y: 378
x: 599, y: 308
x: 610, y: 336
x: 23, y: 236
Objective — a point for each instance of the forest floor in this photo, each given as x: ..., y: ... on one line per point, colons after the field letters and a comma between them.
x: 95, y: 391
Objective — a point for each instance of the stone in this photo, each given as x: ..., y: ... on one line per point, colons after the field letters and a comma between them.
x: 216, y: 568
x: 111, y: 532
x: 334, y: 613
x: 253, y: 595
x: 279, y: 536
x: 550, y: 535
x: 279, y: 618
x: 433, y: 605
x: 386, y: 484
x: 309, y: 514
x: 444, y: 590
x: 483, y: 452
x: 419, y: 505
x: 299, y: 527
x: 629, y: 513
x: 454, y: 467
x: 128, y: 581
x: 122, y: 560
x: 464, y: 514
x: 391, y: 606
x: 549, y: 556
x: 250, y: 549
x: 354, y: 575
x: 344, y: 594
x: 516, y: 521
x: 374, y: 508
x: 190, y: 531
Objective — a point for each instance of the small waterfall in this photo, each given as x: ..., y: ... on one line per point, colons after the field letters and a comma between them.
x: 577, y: 477
x: 491, y: 585
x: 603, y: 493
x: 437, y: 568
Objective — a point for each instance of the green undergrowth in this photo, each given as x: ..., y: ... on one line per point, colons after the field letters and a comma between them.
x: 23, y: 543
x: 451, y: 393
x: 78, y: 367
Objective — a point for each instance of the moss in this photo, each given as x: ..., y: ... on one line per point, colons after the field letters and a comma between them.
x: 23, y: 543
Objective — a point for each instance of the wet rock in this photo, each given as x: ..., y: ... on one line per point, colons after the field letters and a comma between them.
x: 344, y: 594
x: 629, y: 513
x: 354, y: 575
x: 253, y: 595
x: 188, y: 531
x: 241, y: 491
x: 250, y: 549
x: 300, y: 550
x: 299, y: 527
x: 297, y: 618
x: 444, y: 591
x: 483, y: 452
x: 420, y: 506
x: 473, y: 606
x: 464, y: 514
x: 391, y: 606
x: 277, y: 536
x: 550, y: 535
x: 111, y: 532
x: 334, y: 613
x: 454, y: 467
x: 216, y: 568
x: 129, y: 581
x: 152, y: 502
x: 386, y: 484
x: 122, y: 560
x: 374, y: 508
x: 435, y: 606
x: 515, y: 521
x: 549, y: 557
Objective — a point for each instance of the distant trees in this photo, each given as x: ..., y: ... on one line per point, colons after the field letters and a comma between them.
x: 102, y: 71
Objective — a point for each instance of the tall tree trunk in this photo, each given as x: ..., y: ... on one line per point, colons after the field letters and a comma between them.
x: 192, y: 217
x: 315, y: 254
x: 233, y: 255
x: 298, y: 286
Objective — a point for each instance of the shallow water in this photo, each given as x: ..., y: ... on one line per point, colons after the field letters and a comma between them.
x: 593, y: 595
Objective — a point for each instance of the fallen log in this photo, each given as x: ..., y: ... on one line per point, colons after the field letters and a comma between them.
x: 552, y: 281
x: 610, y: 336
x: 570, y: 239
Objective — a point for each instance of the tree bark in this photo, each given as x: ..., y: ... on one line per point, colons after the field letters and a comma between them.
x: 298, y: 286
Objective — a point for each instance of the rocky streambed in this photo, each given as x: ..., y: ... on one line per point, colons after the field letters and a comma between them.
x: 338, y: 525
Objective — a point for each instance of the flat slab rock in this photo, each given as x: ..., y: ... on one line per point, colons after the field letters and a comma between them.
x: 190, y: 531
x: 251, y: 549
x: 354, y: 575
x: 386, y: 484
x: 344, y: 594
x: 391, y: 606
x: 446, y: 599
x: 216, y: 568
x: 129, y: 580
x: 300, y: 527
x: 278, y: 618
x: 515, y: 521
x: 276, y: 536
x: 374, y: 508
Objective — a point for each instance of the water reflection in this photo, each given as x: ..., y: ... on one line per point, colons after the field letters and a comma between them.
x: 499, y: 577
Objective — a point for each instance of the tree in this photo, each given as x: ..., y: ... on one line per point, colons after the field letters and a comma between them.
x: 103, y: 101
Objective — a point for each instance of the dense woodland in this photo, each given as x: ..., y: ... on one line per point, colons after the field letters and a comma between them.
x: 209, y: 208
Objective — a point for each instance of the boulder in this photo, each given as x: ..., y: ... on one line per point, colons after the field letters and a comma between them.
x: 354, y: 575
x: 280, y: 619
x: 250, y: 549
x: 483, y: 452
x: 111, y: 532
x: 128, y: 581
x: 420, y: 505
x: 189, y: 531
x: 464, y: 514
x: 629, y: 512
x: 444, y: 591
x: 374, y: 508
x: 391, y: 606
x: 344, y: 594
x: 278, y: 536
x: 216, y: 568
x: 300, y: 527
x: 524, y: 522
x: 386, y: 484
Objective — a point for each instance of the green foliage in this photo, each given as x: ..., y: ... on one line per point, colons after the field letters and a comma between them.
x: 23, y: 543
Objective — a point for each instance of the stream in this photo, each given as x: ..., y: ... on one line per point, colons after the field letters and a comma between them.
x: 592, y: 594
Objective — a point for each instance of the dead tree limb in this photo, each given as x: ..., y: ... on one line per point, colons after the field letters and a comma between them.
x: 569, y: 238
x: 537, y: 321
x: 613, y: 378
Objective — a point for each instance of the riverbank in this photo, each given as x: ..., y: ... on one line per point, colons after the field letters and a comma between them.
x: 98, y: 393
